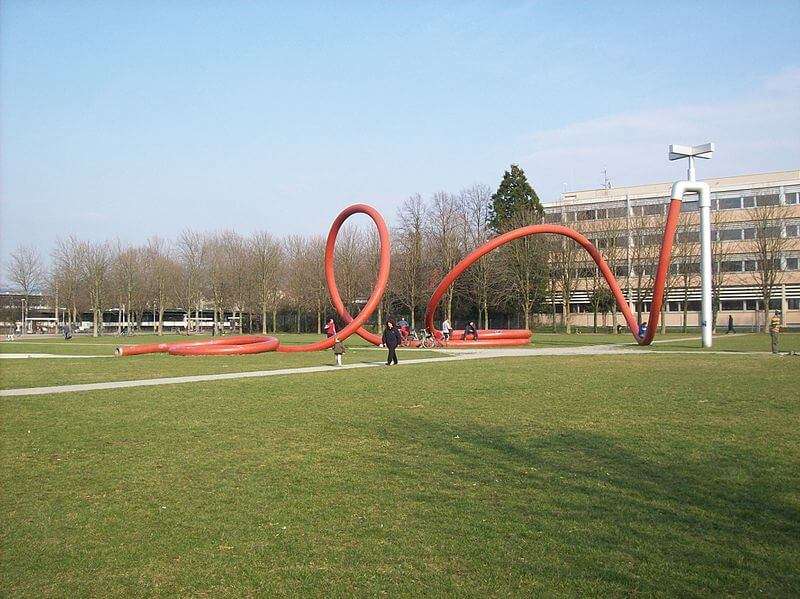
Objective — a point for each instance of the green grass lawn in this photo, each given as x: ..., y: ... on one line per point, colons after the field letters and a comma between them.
x: 43, y: 372
x: 741, y: 342
x: 596, y: 475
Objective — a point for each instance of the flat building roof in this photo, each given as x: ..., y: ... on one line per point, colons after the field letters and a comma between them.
x: 650, y: 190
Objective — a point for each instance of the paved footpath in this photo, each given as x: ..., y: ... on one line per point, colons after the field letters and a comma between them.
x: 450, y: 356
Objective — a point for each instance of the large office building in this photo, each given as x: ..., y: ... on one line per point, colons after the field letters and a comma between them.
x: 755, y: 243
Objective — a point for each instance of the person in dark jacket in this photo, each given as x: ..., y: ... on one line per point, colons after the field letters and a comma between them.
x: 391, y: 339
x: 470, y: 329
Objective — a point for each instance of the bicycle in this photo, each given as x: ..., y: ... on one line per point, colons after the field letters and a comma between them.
x: 407, y: 339
x: 429, y: 340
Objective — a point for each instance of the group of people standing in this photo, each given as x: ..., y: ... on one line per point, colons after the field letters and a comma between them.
x: 393, y: 335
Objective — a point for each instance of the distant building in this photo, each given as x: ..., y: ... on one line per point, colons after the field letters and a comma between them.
x: 627, y: 222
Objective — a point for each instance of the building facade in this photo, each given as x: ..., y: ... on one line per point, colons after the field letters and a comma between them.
x: 755, y: 245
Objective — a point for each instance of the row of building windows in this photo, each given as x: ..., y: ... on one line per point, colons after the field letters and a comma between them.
x: 744, y: 264
x: 694, y: 306
x: 659, y: 208
x: 640, y: 238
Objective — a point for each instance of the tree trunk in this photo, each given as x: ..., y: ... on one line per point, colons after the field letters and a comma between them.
x: 485, y: 313
x: 594, y: 324
x: 298, y: 319
x: 263, y: 319
x: 663, y: 318
x: 274, y: 321
x: 160, y: 320
x: 567, y: 314
x: 95, y: 332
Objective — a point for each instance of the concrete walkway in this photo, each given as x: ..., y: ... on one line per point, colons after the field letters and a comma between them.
x: 450, y: 356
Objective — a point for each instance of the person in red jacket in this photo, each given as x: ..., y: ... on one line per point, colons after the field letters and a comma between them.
x: 330, y: 328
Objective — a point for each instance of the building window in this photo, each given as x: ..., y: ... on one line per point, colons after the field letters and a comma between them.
x: 793, y: 303
x: 752, y: 305
x: 552, y: 217
x: 732, y: 266
x: 653, y: 209
x: 730, y: 235
x: 729, y: 305
x: 749, y: 233
x: 772, y: 199
x: 792, y: 263
x: 730, y: 203
x: 769, y: 232
x: 750, y: 265
x: 793, y: 198
x: 690, y: 206
x: 792, y: 230
x: 587, y: 215
x: 620, y: 212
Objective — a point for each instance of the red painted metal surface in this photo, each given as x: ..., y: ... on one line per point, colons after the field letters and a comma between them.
x: 486, y: 338
x: 246, y: 344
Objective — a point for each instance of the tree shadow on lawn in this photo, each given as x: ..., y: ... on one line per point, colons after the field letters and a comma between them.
x: 710, y: 517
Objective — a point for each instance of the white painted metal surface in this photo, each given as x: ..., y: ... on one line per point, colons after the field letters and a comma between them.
x: 680, y: 188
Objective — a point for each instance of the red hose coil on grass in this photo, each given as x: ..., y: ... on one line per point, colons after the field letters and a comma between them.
x: 486, y: 338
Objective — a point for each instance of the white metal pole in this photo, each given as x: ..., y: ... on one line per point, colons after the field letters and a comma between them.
x: 705, y: 266
x: 679, y: 152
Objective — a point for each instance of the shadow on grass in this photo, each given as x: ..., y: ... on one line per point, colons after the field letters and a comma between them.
x: 712, y: 519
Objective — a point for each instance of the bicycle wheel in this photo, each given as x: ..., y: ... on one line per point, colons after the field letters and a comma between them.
x: 428, y: 343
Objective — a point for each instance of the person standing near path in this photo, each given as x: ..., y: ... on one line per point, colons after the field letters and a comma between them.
x: 338, y: 351
x: 391, y: 339
x: 775, y: 330
x: 446, y: 328
x: 730, y: 325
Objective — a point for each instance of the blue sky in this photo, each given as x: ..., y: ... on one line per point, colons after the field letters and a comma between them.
x: 131, y: 119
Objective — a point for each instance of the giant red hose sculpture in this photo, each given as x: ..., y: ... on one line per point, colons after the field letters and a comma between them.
x: 487, y: 338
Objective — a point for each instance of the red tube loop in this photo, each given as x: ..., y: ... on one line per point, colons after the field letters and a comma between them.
x: 630, y: 318
x: 257, y: 344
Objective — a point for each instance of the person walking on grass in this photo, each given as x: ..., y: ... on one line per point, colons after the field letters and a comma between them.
x: 730, y: 325
x: 446, y: 328
x: 775, y: 331
x: 391, y: 339
x: 338, y: 351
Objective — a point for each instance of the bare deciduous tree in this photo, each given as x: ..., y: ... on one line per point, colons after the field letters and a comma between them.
x: 409, y: 279
x: 26, y: 271
x: 267, y: 256
x: 96, y: 261
x: 481, y: 280
x: 769, y: 243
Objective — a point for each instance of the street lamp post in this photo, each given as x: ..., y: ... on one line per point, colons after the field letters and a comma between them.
x: 679, y: 188
x: 24, y: 304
